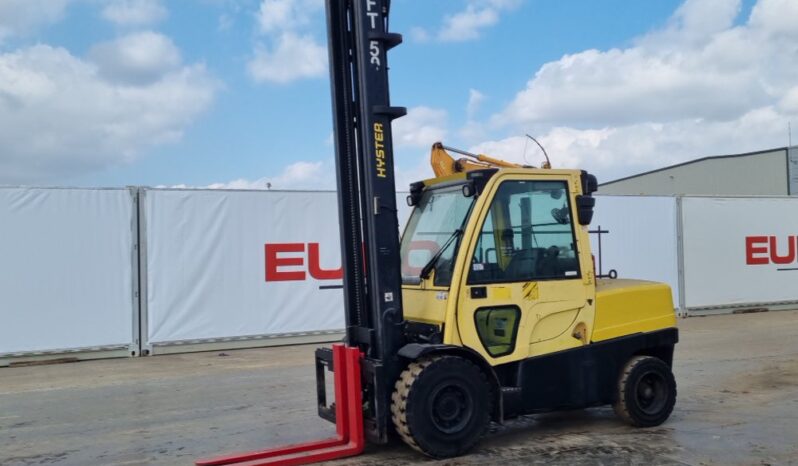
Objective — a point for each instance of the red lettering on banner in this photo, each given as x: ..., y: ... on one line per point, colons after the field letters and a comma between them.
x: 315, y: 269
x: 277, y: 261
x: 274, y: 262
x: 774, y: 251
x: 764, y: 250
x: 751, y: 249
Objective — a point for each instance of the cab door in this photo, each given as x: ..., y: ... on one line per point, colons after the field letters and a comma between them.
x: 524, y: 292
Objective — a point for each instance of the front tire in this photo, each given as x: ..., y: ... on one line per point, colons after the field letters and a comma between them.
x: 441, y: 405
x: 646, y: 392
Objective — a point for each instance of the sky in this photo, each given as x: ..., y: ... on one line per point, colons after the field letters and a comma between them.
x: 235, y: 93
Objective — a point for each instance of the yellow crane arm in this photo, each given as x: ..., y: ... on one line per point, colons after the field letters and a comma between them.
x: 444, y: 164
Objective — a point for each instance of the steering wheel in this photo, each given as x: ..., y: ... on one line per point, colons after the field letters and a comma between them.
x: 552, y: 251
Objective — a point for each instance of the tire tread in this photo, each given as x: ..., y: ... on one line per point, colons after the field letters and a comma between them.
x: 622, y: 405
x: 404, y: 386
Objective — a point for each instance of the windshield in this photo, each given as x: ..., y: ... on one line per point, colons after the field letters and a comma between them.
x: 434, y: 224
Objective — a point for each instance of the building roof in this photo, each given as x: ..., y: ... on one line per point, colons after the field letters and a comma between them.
x: 690, y: 162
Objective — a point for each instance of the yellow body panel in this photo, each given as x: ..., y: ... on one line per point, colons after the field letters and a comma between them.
x: 624, y: 307
x: 555, y: 315
x: 427, y: 305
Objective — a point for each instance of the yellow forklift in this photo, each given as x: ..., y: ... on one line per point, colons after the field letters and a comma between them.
x: 487, y: 308
x: 506, y: 314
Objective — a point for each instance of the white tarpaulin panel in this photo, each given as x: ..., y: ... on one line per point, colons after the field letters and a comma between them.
x: 224, y: 264
x: 66, y: 277
x: 641, y: 242
x: 740, y: 251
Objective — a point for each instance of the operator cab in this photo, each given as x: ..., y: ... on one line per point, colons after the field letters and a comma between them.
x: 435, y: 228
x: 491, y: 237
x: 527, y: 233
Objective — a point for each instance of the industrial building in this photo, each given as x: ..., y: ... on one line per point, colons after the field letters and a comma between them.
x: 772, y: 172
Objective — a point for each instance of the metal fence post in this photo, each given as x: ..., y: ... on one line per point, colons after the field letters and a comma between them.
x: 680, y: 255
x: 146, y: 347
x: 135, y: 346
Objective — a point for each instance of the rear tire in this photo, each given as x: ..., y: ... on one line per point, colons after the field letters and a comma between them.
x: 646, y: 392
x: 441, y: 405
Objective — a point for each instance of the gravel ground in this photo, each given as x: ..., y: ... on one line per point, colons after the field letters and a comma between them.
x: 738, y: 404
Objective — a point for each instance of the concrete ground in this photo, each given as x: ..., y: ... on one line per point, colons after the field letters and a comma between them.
x: 737, y: 404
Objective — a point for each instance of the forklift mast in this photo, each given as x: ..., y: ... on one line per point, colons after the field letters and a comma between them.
x: 358, y: 41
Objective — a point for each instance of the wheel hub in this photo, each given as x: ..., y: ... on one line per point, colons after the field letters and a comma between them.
x: 451, y: 407
x: 651, y: 393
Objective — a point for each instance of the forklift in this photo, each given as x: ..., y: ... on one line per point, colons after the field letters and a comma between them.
x: 487, y: 308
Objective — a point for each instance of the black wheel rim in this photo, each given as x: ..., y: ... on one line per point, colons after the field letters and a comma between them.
x: 451, y: 407
x: 651, y: 392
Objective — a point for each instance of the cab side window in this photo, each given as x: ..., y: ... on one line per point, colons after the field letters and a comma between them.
x: 528, y: 235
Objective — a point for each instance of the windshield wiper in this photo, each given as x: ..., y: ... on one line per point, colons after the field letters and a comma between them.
x: 425, y: 271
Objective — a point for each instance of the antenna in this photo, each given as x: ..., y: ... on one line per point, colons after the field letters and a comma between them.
x: 789, y: 134
x: 526, y: 143
x: 548, y: 162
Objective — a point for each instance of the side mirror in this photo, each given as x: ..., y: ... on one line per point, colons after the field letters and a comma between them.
x: 584, y: 208
x: 589, y: 183
x: 416, y: 190
x: 469, y: 190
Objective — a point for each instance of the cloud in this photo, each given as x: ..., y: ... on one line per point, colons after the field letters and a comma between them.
x: 700, y: 86
x: 134, y: 12
x: 282, y: 15
x: 292, y: 57
x: 287, y: 51
x: 421, y: 127
x: 306, y: 175
x: 475, y: 99
x: 775, y: 17
x: 694, y: 22
x: 419, y: 34
x: 415, y: 133
x: 137, y: 58
x: 613, y: 152
x: 20, y: 17
x: 225, y: 22
x: 61, y: 115
x: 298, y: 175
x: 468, y: 23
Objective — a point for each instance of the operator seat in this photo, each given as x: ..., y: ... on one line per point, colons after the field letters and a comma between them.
x: 524, y: 264
x: 551, y: 264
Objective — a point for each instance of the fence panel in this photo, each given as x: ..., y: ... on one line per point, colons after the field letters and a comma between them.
x: 740, y: 251
x: 225, y: 266
x: 67, y: 271
x: 642, y: 238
